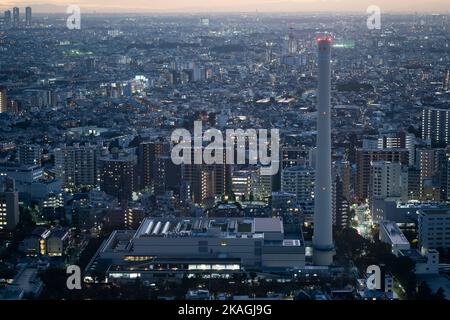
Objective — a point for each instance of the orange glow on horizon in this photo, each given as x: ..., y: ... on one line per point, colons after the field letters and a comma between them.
x: 143, y: 6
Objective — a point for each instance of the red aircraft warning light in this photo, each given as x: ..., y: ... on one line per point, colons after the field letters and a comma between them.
x: 327, y: 39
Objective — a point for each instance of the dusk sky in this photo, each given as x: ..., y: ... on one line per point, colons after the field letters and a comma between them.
x: 232, y: 5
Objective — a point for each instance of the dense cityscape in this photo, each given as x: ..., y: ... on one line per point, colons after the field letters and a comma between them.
x: 88, y: 181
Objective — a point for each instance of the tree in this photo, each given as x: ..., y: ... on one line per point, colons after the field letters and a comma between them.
x: 350, y: 243
x: 424, y: 292
x: 136, y: 142
x: 410, y: 286
x: 212, y: 119
x: 401, y: 267
x: 440, y: 295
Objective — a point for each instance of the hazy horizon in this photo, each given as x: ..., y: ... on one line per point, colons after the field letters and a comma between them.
x: 194, y: 6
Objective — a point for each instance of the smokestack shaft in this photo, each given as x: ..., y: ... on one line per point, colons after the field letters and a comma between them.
x: 323, y: 238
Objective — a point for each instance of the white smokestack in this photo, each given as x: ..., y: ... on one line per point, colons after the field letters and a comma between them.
x: 323, y: 232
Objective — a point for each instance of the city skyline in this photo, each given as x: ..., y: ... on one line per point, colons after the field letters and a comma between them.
x: 215, y: 156
x: 180, y: 6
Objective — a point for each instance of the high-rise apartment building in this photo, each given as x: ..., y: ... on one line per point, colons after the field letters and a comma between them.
x: 118, y: 175
x: 206, y: 182
x: 299, y: 180
x: 341, y: 205
x: 432, y: 163
x: 436, y: 125
x: 388, y: 180
x: 148, y: 155
x: 168, y: 176
x: 364, y: 158
x: 78, y: 165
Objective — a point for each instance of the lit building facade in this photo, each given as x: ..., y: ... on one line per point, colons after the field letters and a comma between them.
x: 178, y: 247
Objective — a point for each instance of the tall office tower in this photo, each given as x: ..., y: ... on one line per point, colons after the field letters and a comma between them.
x: 28, y: 16
x: 148, y: 154
x: 446, y: 81
x: 117, y: 175
x: 29, y: 154
x: 292, y: 42
x: 323, y: 233
x: 299, y: 180
x: 436, y: 125
x: 364, y: 158
x: 16, y: 16
x: 432, y: 169
x: 8, y: 19
x: 9, y: 204
x: 78, y: 165
x: 3, y: 100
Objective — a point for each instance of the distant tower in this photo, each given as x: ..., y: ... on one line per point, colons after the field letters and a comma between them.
x: 323, y: 232
x: 8, y: 18
x: 16, y: 16
x: 292, y: 42
x: 269, y: 52
x: 28, y: 16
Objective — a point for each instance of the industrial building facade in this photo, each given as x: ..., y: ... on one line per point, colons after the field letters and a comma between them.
x: 179, y: 247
